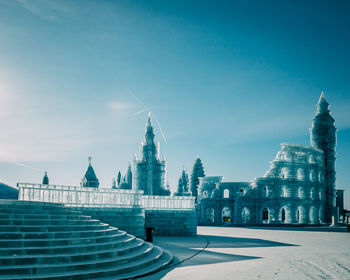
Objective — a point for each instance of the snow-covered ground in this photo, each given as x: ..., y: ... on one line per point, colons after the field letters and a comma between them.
x: 259, y: 253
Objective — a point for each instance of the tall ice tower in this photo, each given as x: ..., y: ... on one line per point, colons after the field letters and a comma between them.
x: 149, y: 170
x: 323, y: 136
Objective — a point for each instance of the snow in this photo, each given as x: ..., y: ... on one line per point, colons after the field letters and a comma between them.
x: 259, y: 253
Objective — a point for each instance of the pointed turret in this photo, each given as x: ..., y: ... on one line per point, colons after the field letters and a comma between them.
x: 322, y: 105
x: 90, y: 179
x: 149, y: 134
x: 323, y: 136
x: 149, y: 119
x: 45, y: 179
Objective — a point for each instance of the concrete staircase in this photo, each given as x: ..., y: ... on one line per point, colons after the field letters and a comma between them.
x: 50, y: 241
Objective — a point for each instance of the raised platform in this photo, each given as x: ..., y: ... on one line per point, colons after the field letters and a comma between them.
x: 49, y: 241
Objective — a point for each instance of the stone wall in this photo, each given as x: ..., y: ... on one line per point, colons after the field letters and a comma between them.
x: 172, y: 223
x: 131, y: 220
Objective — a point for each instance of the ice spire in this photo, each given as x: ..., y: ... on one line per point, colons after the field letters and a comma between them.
x: 149, y: 136
x: 323, y: 136
x: 322, y: 105
x: 149, y: 119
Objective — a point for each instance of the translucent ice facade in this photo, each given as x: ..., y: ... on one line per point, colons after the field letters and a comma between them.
x: 149, y: 171
x: 291, y: 192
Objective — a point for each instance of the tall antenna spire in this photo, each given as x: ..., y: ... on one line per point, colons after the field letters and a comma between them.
x: 89, y: 158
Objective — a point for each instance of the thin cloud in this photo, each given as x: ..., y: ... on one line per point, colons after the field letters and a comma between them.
x: 119, y: 106
x: 46, y: 10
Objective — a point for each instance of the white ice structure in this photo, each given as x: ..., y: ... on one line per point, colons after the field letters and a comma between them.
x: 77, y: 196
x: 298, y: 188
x: 128, y: 210
x: 147, y: 204
x: 149, y: 171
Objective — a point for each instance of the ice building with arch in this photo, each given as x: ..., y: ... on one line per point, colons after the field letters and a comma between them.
x: 298, y: 188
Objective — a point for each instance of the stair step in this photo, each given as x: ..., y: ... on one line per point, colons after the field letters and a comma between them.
x: 51, y: 241
x: 68, y: 248
x: 66, y: 260
x: 44, y: 222
x: 20, y: 243
x: 62, y: 211
x: 95, y: 272
x: 60, y: 234
x: 162, y: 263
x: 29, y: 216
x: 31, y: 207
x: 56, y: 228
x: 19, y: 203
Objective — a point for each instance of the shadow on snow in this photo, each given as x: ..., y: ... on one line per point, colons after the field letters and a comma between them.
x: 184, y: 248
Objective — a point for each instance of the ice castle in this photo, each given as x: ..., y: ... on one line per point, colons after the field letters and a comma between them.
x: 298, y: 188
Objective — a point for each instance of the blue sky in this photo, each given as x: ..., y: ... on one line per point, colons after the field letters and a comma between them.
x: 227, y: 80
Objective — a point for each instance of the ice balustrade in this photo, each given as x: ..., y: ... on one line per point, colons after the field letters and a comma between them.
x: 79, y: 196
x: 101, y: 197
x: 155, y: 202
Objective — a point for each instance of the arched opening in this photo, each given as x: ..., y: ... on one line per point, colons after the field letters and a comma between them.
x: 320, y: 176
x: 313, y: 215
x: 226, y: 215
x: 300, y: 174
x: 205, y: 194
x: 210, y: 215
x: 321, y: 215
x: 312, y: 175
x: 283, y: 215
x: 226, y: 193
x: 301, y: 192
x: 312, y: 193
x: 300, y: 215
x: 311, y: 159
x: 284, y: 191
x: 284, y: 173
x: 265, y: 215
x: 245, y: 215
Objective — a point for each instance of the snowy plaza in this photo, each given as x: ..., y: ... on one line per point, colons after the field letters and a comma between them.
x: 259, y: 253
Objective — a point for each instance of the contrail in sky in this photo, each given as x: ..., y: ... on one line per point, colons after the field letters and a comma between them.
x: 161, y: 131
x: 141, y: 111
x: 25, y: 165
x: 145, y: 108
